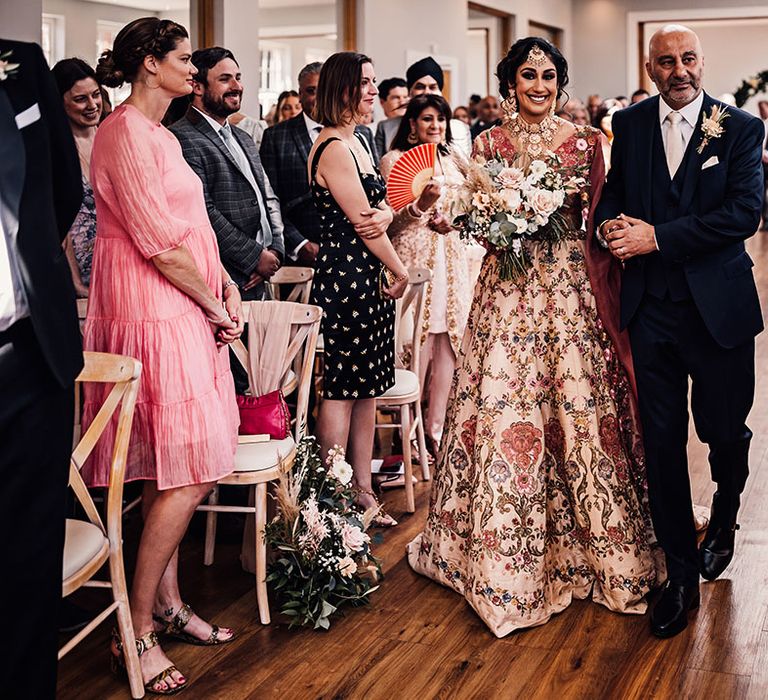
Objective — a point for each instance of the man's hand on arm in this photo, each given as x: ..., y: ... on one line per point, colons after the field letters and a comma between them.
x: 628, y: 237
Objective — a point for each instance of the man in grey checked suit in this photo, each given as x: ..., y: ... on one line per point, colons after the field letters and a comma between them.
x: 284, y: 151
x: 242, y: 207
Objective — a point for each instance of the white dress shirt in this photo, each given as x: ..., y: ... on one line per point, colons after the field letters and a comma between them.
x: 13, y: 298
x: 313, y: 128
x: 690, y: 114
x: 265, y: 235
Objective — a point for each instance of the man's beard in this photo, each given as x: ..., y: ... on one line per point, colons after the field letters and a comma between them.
x: 217, y: 106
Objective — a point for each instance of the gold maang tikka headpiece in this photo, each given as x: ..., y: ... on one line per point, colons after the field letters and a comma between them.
x: 536, y: 56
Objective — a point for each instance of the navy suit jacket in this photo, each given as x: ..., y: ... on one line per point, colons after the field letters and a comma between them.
x: 719, y: 207
x: 284, y: 152
x: 41, y: 187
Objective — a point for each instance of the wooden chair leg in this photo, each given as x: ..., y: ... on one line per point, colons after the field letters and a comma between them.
x: 211, y: 520
x: 261, y: 554
x: 423, y: 456
x: 125, y: 622
x: 405, y: 429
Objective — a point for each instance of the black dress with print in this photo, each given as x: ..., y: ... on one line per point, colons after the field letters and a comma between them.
x: 358, y: 321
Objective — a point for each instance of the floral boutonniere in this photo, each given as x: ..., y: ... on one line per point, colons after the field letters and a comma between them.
x: 7, y: 69
x: 712, y: 126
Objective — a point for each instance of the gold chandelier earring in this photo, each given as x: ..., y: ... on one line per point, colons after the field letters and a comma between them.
x: 412, y: 138
x: 509, y: 106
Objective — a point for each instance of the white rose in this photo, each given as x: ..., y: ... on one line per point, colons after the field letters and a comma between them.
x: 341, y: 471
x: 521, y: 225
x: 353, y: 538
x: 511, y: 177
x: 347, y: 566
x: 542, y: 201
x: 510, y: 199
x: 537, y: 169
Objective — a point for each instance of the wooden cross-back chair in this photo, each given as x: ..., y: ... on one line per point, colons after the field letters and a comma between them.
x: 89, y: 544
x: 82, y: 311
x: 258, y: 463
x: 405, y: 395
x: 301, y: 279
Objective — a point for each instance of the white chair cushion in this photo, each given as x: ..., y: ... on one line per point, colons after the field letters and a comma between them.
x: 83, y: 541
x: 258, y: 456
x: 406, y: 382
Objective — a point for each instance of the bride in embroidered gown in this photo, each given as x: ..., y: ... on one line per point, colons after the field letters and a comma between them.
x: 539, y: 496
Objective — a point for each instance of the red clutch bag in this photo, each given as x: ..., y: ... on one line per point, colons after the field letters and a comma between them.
x: 264, y: 415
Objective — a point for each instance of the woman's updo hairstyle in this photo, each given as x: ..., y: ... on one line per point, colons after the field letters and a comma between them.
x: 506, y: 71
x: 147, y: 36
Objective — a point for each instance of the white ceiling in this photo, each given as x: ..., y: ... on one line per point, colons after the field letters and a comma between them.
x: 293, y: 3
x: 151, y: 5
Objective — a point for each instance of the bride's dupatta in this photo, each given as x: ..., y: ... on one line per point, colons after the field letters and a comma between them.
x: 604, y: 273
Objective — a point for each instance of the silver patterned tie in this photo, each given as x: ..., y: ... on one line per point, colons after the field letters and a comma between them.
x: 674, y: 143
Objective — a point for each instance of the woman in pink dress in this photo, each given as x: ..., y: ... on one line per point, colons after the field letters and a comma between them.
x: 160, y: 294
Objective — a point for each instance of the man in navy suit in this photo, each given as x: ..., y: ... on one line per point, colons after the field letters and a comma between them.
x: 682, y: 196
x: 40, y: 356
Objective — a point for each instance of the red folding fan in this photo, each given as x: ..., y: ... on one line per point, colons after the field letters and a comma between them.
x: 410, y: 175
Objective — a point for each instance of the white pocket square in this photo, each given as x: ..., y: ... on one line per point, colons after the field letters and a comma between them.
x: 28, y: 116
x: 710, y: 162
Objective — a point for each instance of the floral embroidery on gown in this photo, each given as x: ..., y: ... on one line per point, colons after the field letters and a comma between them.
x: 539, y: 496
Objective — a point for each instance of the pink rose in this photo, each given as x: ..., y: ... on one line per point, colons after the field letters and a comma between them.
x: 511, y: 177
x: 353, y: 538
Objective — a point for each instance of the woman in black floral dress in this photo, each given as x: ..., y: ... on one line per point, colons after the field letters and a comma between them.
x: 358, y: 274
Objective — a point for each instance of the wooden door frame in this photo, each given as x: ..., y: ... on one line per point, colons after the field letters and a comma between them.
x: 506, y: 21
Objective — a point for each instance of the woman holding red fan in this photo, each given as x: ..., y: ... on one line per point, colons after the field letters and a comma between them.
x: 424, y: 237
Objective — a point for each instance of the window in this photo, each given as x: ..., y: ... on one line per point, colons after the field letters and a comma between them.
x: 53, y: 38
x: 275, y: 72
x: 106, y: 31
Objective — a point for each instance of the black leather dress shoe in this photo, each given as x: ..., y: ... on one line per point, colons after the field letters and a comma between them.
x: 670, y: 616
x: 717, y: 548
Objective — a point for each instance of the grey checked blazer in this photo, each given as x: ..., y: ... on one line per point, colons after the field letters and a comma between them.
x: 229, y: 197
x: 284, y: 151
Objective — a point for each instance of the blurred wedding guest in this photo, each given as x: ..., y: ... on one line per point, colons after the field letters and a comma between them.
x: 284, y: 151
x: 488, y: 113
x: 639, y: 96
x: 462, y: 114
x: 423, y: 236
x: 423, y: 77
x: 358, y: 274
x: 623, y: 100
x: 253, y: 127
x: 288, y: 106
x: 40, y: 356
x: 159, y: 293
x: 242, y: 207
x: 393, y: 97
x: 81, y: 96
x: 474, y: 100
x: 604, y: 117
x: 593, y: 107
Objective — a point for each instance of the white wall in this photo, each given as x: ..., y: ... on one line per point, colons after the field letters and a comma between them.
x: 80, y: 23
x: 20, y: 20
x: 599, y: 57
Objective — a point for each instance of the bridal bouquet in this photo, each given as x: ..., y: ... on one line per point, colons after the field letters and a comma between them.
x: 503, y: 205
x: 324, y: 554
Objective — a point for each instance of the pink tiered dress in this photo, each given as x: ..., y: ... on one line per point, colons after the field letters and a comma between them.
x: 149, y: 201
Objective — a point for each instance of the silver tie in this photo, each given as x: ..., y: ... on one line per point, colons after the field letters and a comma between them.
x: 264, y: 236
x: 675, y: 148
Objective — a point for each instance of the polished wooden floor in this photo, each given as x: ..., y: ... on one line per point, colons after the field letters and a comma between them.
x: 418, y: 640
